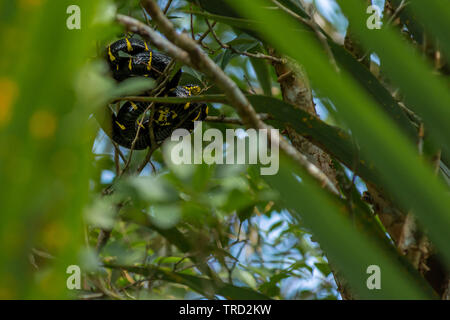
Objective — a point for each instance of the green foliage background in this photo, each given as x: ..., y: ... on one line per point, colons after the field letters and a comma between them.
x: 215, y: 231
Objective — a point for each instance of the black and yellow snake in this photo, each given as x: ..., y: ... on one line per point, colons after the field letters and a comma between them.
x: 142, y: 61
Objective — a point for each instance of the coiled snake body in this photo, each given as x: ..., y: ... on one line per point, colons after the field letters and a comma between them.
x: 144, y: 62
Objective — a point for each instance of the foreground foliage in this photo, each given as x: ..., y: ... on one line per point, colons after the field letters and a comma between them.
x: 143, y: 230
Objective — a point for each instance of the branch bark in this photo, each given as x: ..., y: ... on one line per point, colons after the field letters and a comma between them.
x: 296, y: 91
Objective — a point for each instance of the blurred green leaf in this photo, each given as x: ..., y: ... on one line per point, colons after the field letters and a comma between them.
x: 435, y: 15
x: 201, y: 285
x: 425, y: 93
x: 46, y: 143
x: 165, y: 216
x: 404, y: 174
x: 262, y: 72
x: 338, y: 238
x: 323, y: 267
x: 332, y: 139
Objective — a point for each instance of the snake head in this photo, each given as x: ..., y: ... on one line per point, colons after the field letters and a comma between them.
x: 193, y: 89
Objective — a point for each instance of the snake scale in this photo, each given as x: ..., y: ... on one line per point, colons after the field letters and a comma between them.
x: 139, y: 60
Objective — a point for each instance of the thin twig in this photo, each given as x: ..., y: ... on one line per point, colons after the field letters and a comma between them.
x: 148, y: 158
x: 133, y: 144
x: 102, y: 239
x: 116, y: 159
x: 42, y: 254
x: 223, y: 119
x: 235, y: 262
x: 192, y: 26
x: 205, y: 34
x: 145, y: 15
x: 257, y: 55
x: 167, y: 6
x: 402, y: 5
x: 314, y: 27
x: 219, y: 98
x: 116, y: 147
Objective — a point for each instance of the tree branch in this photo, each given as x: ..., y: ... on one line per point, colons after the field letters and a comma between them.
x: 187, y: 51
x: 222, y: 119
